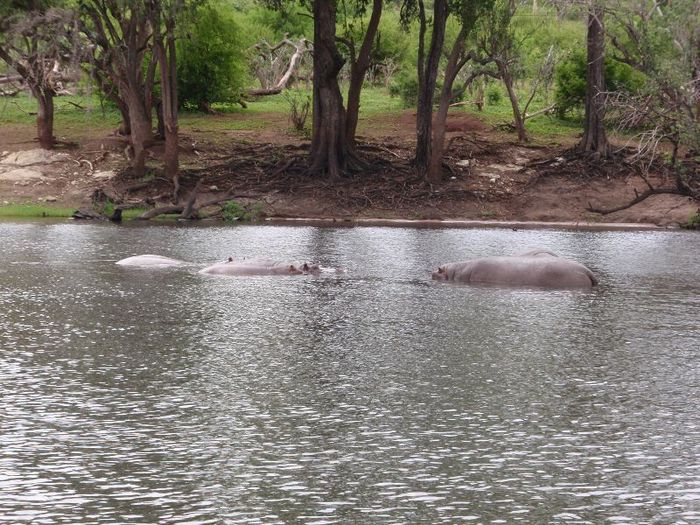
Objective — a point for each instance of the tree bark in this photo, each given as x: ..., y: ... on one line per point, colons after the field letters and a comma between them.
x: 427, y: 78
x: 594, y: 140
x: 329, y: 150
x: 44, y: 118
x: 358, y: 69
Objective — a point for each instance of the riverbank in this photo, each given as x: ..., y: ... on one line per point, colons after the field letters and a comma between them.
x: 489, y: 177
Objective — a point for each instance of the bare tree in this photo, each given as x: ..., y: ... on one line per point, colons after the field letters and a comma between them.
x: 276, y: 65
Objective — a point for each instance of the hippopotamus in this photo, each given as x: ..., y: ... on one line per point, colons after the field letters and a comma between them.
x: 150, y: 261
x: 539, y: 268
x: 260, y: 267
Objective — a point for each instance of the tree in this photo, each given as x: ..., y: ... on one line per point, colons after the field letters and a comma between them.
x: 210, y: 60
x: 162, y: 16
x: 120, y: 36
x: 429, y: 139
x: 34, y: 42
x: 594, y: 141
x: 331, y: 151
x: 427, y: 72
x: 329, y: 147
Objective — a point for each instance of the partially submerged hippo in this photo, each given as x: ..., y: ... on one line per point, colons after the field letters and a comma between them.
x: 150, y: 261
x: 539, y: 268
x: 260, y: 267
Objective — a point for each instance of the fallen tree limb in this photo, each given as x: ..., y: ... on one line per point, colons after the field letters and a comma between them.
x: 639, y: 198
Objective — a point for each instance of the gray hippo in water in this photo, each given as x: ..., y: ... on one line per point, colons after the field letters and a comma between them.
x: 260, y: 267
x: 538, y: 268
x: 150, y: 261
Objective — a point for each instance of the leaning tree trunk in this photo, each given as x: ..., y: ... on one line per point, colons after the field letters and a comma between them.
x: 358, y: 69
x: 427, y: 78
x: 513, y: 97
x: 455, y: 62
x: 329, y: 149
x: 594, y: 140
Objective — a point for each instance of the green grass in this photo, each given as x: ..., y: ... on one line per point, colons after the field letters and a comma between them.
x: 34, y: 210
x: 262, y: 113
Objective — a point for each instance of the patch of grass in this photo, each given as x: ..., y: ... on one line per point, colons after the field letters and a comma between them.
x: 233, y: 211
x: 34, y: 210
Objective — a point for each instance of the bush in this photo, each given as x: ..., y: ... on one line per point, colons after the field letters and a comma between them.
x: 493, y: 96
x: 406, y: 87
x: 570, y: 80
x: 211, y: 65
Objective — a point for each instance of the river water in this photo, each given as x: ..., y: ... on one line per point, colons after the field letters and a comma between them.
x: 374, y: 396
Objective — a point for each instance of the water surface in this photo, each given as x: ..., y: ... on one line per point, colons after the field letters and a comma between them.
x: 374, y: 396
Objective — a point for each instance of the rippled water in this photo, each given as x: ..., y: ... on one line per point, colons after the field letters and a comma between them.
x: 374, y: 396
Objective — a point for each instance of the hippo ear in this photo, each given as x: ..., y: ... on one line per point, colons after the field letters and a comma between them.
x: 441, y: 269
x: 305, y: 267
x: 291, y: 268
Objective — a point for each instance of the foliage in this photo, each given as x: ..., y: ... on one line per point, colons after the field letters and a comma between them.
x: 494, y: 95
x: 570, y: 81
x: 210, y: 60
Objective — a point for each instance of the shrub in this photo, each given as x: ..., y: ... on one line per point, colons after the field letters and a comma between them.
x: 211, y: 65
x: 299, y: 107
x: 493, y: 96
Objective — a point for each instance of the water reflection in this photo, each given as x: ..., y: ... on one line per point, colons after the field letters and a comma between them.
x: 375, y: 396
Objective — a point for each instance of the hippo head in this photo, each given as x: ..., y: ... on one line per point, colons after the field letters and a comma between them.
x: 314, y: 269
x: 440, y: 274
x: 293, y: 270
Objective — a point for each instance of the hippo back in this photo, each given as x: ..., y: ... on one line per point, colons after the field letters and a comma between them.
x: 538, y: 270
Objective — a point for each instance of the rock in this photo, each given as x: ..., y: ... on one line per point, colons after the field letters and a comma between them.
x: 33, y: 156
x: 464, y: 163
x: 20, y: 175
x: 103, y: 175
x: 51, y: 198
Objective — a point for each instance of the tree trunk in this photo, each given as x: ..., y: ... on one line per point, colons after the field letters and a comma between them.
x: 168, y: 79
x: 44, y: 117
x: 329, y: 150
x: 427, y: 78
x: 358, y: 69
x: 518, y: 120
x: 594, y: 140
x: 141, y: 132
x: 454, y: 64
